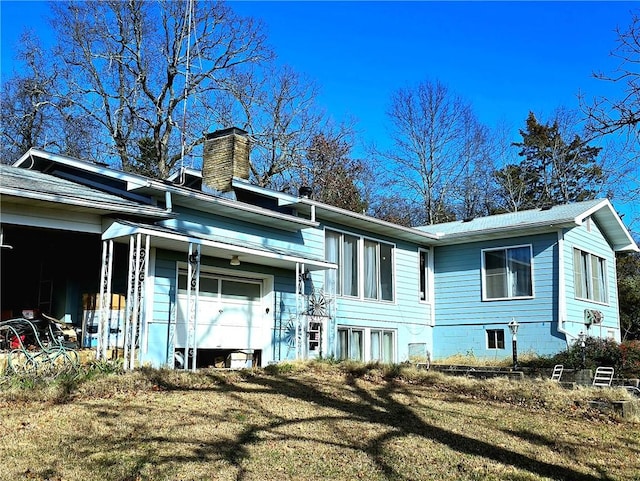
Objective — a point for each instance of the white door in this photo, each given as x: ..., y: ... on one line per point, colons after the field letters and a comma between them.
x: 230, y: 313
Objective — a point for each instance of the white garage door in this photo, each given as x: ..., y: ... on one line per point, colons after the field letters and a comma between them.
x: 230, y: 313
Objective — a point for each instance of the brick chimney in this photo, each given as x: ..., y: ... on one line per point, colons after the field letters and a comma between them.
x: 226, y: 155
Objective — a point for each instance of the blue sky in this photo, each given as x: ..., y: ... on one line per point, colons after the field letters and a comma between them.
x: 505, y: 58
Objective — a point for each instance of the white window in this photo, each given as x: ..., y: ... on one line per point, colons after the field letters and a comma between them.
x: 589, y: 276
x: 366, y: 344
x: 507, y: 273
x: 365, y: 266
x: 423, y: 269
x: 350, y: 343
x: 495, y: 338
x: 382, y: 346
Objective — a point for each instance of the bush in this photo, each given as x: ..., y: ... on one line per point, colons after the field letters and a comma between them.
x: 624, y: 357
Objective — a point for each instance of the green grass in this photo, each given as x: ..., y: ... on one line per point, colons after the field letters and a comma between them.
x: 311, y: 421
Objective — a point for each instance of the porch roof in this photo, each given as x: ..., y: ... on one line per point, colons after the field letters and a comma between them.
x: 214, y: 246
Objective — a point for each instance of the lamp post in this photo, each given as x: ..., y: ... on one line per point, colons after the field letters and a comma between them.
x: 582, y: 337
x: 513, y: 327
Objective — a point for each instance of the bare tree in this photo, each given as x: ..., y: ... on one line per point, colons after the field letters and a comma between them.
x: 334, y: 177
x: 26, y: 105
x: 609, y: 115
x: 149, y: 71
x: 278, y: 107
x: 435, y: 140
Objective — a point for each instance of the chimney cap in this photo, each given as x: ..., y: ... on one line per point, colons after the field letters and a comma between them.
x: 228, y: 131
x: 305, y: 191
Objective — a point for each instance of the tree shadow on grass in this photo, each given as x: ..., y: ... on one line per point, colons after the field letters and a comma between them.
x: 384, y: 410
x: 353, y: 403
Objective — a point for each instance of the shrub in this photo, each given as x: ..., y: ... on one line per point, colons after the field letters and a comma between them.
x: 624, y: 357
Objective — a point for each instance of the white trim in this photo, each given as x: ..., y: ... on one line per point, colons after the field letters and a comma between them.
x: 562, y: 291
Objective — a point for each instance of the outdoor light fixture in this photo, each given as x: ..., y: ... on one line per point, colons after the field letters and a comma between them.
x: 513, y: 327
x: 234, y: 261
x: 582, y: 338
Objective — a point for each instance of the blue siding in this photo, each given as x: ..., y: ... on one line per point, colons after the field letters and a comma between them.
x: 406, y: 315
x: 307, y: 242
x: 462, y: 317
x: 589, y: 238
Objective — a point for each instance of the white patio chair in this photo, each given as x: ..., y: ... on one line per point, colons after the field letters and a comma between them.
x: 557, y: 372
x: 603, y: 377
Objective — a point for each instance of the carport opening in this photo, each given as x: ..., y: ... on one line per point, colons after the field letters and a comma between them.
x: 222, y: 358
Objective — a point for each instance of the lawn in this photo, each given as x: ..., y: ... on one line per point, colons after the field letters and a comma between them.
x: 310, y: 422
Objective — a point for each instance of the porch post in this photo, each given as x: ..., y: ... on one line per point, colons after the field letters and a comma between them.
x: 297, y: 342
x: 193, y: 292
x: 105, y: 299
x: 138, y: 265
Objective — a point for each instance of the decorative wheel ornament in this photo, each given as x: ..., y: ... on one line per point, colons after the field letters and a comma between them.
x: 318, y: 304
x: 291, y: 331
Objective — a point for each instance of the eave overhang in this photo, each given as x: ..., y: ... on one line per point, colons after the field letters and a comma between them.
x: 174, y: 240
x: 157, y: 189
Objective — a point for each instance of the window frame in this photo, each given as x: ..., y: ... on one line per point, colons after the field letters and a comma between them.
x: 380, y: 357
x: 362, y: 268
x: 349, y: 348
x: 510, y: 295
x: 366, y: 347
x: 495, y: 334
x: 585, y: 278
x: 425, y: 281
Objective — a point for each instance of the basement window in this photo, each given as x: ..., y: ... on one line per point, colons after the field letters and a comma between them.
x: 495, y: 338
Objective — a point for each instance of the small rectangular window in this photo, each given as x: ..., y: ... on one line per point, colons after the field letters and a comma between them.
x: 495, y: 338
x: 423, y: 269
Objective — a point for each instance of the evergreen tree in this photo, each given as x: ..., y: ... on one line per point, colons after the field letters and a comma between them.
x: 552, y: 171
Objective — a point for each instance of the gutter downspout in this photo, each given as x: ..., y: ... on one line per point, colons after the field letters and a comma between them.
x: 562, y: 300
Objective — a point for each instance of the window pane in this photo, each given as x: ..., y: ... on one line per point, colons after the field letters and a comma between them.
x: 350, y: 266
x: 597, y: 278
x: 386, y: 272
x: 208, y: 287
x: 332, y: 254
x: 520, y: 272
x: 495, y: 338
x: 376, y: 347
x: 357, y: 342
x: 424, y: 295
x: 584, y: 267
x: 578, y: 274
x: 343, y: 344
x: 240, y: 290
x: 387, y: 347
x: 495, y: 274
x: 370, y: 269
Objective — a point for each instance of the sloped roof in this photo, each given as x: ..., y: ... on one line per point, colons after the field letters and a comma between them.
x: 37, y: 186
x: 537, y: 221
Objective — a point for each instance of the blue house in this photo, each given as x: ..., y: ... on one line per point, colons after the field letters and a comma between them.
x: 550, y: 271
x: 206, y: 269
